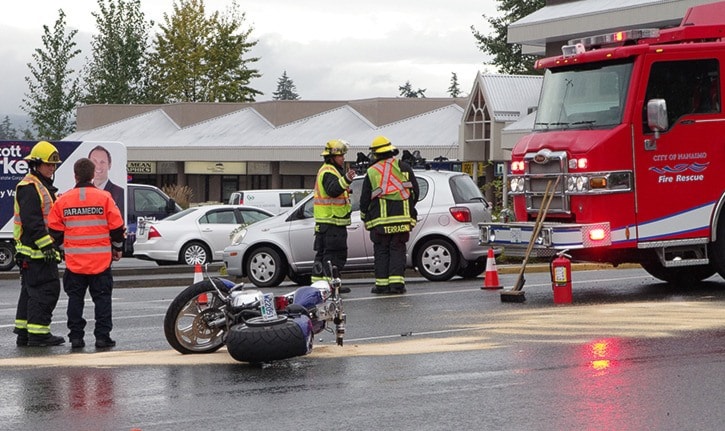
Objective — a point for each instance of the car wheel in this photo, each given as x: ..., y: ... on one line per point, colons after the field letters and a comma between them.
x: 437, y: 260
x: 266, y: 268
x: 473, y: 269
x: 194, y: 253
x: 300, y: 279
x: 7, y: 256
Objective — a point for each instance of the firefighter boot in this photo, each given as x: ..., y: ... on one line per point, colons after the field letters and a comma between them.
x: 44, y: 340
x: 397, y: 288
x: 380, y: 289
x: 22, y: 339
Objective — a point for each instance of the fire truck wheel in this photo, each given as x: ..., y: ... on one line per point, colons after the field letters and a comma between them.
x: 717, y: 249
x: 679, y: 275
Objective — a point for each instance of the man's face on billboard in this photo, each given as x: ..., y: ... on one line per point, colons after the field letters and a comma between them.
x: 100, y: 159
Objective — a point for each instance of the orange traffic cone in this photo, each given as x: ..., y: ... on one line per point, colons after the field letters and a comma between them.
x: 197, y: 273
x: 491, y: 278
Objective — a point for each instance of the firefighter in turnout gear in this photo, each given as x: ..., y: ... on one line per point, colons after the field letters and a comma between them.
x: 88, y: 223
x: 331, y: 209
x: 387, y: 206
x: 36, y: 253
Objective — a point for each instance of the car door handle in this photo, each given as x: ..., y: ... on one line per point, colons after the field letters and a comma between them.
x: 207, y: 230
x: 353, y: 227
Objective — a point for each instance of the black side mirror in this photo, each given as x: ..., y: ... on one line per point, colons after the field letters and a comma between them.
x: 170, y: 206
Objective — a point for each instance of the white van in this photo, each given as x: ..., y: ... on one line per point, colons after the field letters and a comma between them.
x: 273, y: 200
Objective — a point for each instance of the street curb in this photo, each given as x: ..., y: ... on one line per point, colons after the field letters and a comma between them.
x: 183, y: 275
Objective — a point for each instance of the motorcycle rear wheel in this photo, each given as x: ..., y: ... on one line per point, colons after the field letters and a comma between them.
x: 185, y: 323
x: 267, y: 342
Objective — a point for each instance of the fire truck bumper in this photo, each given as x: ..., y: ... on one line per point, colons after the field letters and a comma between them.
x: 516, y: 236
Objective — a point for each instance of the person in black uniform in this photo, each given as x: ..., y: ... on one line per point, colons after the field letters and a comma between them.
x: 332, y: 210
x: 36, y: 254
x: 387, y: 205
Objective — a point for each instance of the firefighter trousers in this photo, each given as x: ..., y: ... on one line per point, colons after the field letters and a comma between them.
x: 100, y: 287
x: 39, y: 293
x: 330, y: 244
x: 389, y: 253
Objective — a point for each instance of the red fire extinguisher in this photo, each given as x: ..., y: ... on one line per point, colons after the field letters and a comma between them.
x: 561, y: 278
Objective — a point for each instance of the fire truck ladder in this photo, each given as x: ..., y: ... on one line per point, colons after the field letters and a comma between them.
x: 516, y: 294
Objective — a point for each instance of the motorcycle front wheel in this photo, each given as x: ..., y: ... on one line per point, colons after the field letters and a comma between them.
x: 259, y: 341
x: 186, y: 324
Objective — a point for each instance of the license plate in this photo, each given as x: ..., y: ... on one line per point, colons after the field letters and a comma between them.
x: 515, y: 235
x: 267, y: 309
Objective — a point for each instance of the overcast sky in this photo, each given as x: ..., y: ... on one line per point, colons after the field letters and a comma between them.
x: 332, y: 50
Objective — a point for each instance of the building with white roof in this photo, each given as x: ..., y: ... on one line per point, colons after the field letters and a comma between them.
x: 217, y: 148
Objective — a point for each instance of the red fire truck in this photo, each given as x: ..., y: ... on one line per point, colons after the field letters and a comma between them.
x: 629, y: 138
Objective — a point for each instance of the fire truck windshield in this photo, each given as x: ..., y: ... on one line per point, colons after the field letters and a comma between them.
x: 584, y: 96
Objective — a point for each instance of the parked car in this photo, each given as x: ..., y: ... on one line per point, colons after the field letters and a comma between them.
x: 444, y: 243
x: 194, y: 235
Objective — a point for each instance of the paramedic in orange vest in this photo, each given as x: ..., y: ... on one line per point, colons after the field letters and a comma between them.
x: 331, y: 209
x: 387, y: 205
x: 88, y: 223
x: 36, y: 254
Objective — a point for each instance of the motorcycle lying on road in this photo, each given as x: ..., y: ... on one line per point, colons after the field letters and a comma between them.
x: 256, y: 327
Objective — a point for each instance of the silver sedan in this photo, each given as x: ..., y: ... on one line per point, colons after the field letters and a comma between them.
x: 195, y: 235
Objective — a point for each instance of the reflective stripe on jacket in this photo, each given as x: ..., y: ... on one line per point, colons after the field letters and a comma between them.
x: 86, y: 216
x: 46, y: 203
x: 329, y: 209
x: 390, y: 206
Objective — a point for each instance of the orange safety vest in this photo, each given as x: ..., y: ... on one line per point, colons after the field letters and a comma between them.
x: 86, y: 215
x: 390, y: 181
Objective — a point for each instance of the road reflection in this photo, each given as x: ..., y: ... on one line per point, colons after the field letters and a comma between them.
x: 84, y: 397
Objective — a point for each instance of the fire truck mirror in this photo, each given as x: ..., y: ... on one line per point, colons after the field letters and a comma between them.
x: 657, y: 115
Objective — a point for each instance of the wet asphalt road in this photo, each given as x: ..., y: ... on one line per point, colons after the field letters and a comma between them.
x: 629, y: 353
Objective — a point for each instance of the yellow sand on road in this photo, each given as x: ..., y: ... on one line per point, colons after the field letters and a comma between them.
x: 562, y: 324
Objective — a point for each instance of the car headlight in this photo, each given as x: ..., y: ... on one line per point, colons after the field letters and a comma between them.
x: 238, y: 236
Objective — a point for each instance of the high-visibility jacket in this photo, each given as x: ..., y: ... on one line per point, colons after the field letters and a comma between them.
x: 24, y: 242
x: 86, y: 216
x: 391, y: 192
x: 328, y: 209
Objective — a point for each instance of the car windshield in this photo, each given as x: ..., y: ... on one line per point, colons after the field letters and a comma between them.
x: 181, y: 214
x: 583, y: 96
x: 464, y: 190
x: 251, y: 216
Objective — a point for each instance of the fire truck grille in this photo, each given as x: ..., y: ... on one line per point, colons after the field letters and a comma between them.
x: 543, y: 167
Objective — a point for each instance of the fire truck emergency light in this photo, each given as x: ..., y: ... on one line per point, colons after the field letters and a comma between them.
x: 616, y: 38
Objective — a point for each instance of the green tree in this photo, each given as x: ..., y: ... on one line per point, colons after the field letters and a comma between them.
x: 406, y: 90
x: 286, y: 89
x: 6, y: 130
x: 508, y: 57
x: 454, y: 90
x: 201, y: 59
x: 54, y: 88
x: 117, y: 70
